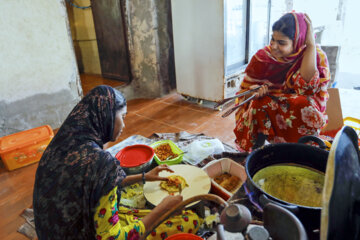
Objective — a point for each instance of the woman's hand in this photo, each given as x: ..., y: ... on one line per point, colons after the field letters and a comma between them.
x: 163, y: 207
x: 308, y: 64
x: 169, y: 202
x: 310, y: 39
x: 262, y: 91
x: 153, y: 174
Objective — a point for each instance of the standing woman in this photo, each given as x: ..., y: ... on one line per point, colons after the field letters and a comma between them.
x: 77, y: 183
x: 293, y: 74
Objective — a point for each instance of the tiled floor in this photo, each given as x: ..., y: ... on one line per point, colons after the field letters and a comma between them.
x: 88, y: 81
x: 145, y: 116
x: 172, y: 113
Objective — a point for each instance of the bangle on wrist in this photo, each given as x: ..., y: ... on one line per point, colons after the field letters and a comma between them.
x: 143, y: 177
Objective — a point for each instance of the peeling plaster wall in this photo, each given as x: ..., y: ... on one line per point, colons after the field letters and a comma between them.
x: 40, y: 82
x: 166, y: 46
x: 150, y: 48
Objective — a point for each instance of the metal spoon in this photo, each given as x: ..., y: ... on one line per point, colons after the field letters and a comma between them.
x: 228, y: 112
x: 170, y: 157
x: 180, y: 189
x: 236, y: 96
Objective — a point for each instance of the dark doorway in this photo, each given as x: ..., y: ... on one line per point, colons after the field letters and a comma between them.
x: 111, y: 38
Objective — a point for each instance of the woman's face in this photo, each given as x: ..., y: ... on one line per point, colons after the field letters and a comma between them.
x: 281, y: 45
x: 119, y: 123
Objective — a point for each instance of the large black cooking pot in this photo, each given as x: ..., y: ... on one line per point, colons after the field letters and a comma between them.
x: 298, y: 153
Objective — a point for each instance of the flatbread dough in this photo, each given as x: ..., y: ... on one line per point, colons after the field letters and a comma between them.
x: 173, y: 185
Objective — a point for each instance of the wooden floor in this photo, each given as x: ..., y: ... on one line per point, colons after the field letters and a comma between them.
x: 170, y: 113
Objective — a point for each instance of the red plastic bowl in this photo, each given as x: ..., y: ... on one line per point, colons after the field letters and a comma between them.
x: 184, y: 236
x: 135, y: 158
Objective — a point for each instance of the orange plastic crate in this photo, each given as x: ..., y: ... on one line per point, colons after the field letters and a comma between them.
x: 26, y: 147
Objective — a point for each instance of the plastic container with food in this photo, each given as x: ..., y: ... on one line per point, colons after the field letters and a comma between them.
x: 135, y: 158
x: 167, y: 152
x: 226, y: 175
x: 26, y: 147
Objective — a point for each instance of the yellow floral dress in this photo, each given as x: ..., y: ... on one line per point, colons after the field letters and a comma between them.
x: 113, y: 222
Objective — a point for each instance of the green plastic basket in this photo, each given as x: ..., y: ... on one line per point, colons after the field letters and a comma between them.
x: 175, y: 149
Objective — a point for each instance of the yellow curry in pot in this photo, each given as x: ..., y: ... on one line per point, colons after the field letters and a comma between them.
x: 294, y: 184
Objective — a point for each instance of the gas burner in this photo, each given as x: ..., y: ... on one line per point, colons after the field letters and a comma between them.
x: 249, y: 199
x: 245, y: 197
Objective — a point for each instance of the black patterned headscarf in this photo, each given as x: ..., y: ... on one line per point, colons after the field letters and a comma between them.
x: 75, y: 172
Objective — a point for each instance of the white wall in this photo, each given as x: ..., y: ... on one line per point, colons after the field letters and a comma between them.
x: 39, y: 73
x: 350, y: 50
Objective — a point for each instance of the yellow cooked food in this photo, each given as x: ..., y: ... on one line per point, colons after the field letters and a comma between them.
x: 292, y: 183
x: 228, y: 181
x: 173, y: 184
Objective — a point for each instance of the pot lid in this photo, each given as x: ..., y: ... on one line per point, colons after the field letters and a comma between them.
x: 135, y: 155
x: 340, y: 216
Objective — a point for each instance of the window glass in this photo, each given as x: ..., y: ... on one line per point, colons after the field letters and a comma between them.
x: 235, y: 35
x: 258, y: 26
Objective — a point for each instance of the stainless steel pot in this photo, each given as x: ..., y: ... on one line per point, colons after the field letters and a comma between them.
x: 138, y: 169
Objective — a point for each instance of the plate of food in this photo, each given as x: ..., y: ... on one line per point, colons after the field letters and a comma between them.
x: 188, y: 179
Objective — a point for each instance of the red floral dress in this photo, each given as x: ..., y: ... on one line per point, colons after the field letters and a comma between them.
x: 282, y: 117
x: 293, y: 107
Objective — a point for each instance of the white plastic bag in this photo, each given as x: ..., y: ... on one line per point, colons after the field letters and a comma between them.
x: 201, y: 149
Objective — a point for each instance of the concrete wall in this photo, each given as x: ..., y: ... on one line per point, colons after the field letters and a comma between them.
x: 150, y: 48
x: 40, y: 81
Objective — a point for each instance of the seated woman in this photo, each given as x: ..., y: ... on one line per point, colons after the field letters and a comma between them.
x: 293, y: 74
x: 77, y: 183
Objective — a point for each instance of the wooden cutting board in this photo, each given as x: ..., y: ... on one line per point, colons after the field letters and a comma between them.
x: 197, y: 179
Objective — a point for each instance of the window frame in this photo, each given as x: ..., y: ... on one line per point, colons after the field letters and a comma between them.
x: 241, y: 65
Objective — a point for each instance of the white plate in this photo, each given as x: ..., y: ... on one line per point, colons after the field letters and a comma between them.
x: 197, y: 179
